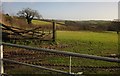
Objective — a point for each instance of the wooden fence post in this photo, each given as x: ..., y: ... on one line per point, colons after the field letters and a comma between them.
x: 54, y: 32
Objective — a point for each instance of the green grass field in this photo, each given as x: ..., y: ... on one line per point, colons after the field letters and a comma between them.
x: 83, y: 42
x: 86, y: 42
x: 43, y: 23
x: 40, y: 22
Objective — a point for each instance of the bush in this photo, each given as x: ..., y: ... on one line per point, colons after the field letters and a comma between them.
x: 8, y: 19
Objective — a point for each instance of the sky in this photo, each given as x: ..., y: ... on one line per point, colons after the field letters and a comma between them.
x: 67, y: 10
x: 60, y: 0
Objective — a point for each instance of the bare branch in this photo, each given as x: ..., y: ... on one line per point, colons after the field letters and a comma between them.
x: 29, y: 14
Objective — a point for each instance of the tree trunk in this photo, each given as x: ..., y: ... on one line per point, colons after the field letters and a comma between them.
x: 29, y: 21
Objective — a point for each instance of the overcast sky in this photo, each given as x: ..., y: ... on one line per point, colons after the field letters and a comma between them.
x: 67, y: 10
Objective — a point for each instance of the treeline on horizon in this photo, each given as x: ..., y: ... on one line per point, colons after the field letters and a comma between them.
x: 90, y: 25
x: 95, y: 25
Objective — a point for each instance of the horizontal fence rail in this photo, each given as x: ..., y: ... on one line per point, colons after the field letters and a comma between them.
x: 36, y: 66
x: 66, y: 53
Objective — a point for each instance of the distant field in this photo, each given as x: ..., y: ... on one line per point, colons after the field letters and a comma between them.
x: 38, y: 22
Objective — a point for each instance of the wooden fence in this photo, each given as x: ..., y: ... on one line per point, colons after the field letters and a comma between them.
x: 37, y: 33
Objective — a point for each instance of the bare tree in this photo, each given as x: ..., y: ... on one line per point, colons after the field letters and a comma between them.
x: 29, y: 14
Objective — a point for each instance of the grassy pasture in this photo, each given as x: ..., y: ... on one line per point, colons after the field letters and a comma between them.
x: 38, y: 22
x: 86, y: 42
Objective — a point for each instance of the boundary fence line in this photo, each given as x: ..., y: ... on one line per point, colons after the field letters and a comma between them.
x: 36, y: 66
x: 65, y: 53
x: 52, y: 51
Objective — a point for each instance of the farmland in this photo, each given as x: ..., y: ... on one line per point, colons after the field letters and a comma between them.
x: 97, y: 43
x: 84, y: 42
x: 100, y: 43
